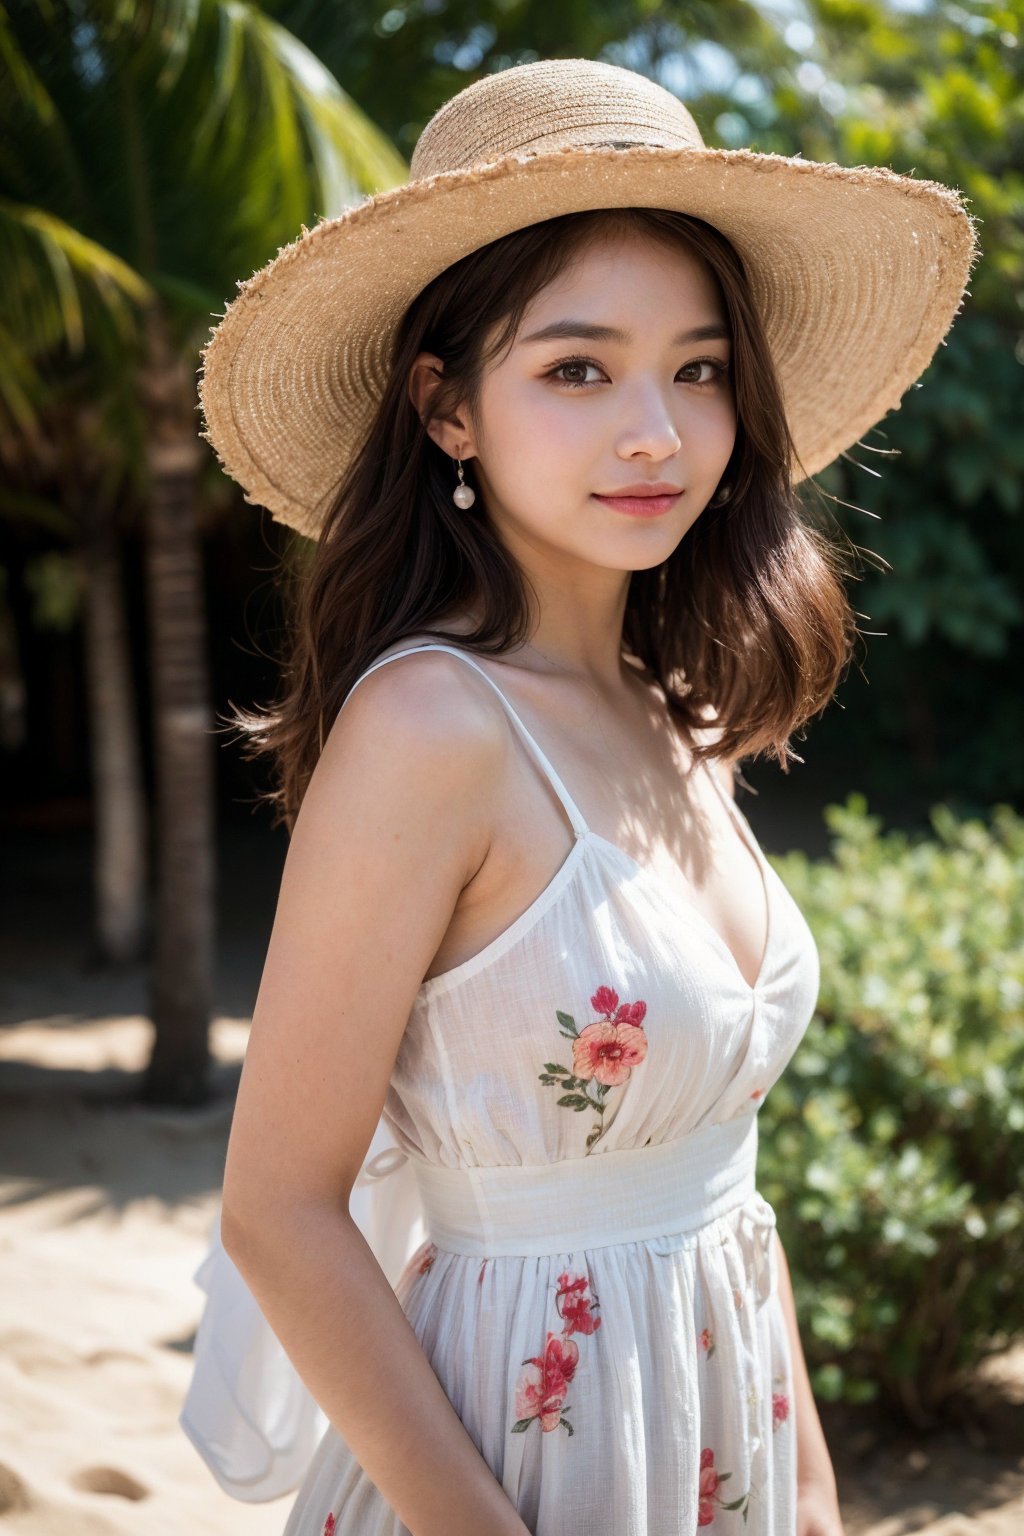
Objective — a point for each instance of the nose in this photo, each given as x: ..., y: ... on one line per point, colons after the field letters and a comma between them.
x: 647, y: 427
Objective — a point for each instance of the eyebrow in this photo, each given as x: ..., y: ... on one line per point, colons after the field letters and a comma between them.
x: 586, y: 331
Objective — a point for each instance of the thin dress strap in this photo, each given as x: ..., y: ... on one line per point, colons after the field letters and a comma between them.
x: 572, y: 810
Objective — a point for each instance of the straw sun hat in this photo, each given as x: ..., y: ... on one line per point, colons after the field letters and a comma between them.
x: 857, y: 272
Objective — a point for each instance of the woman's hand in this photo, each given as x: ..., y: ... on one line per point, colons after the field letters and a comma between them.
x: 817, y: 1508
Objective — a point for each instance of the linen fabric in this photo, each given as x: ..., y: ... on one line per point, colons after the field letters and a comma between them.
x: 597, y: 1289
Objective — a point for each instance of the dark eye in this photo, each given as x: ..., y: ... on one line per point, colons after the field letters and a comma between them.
x: 718, y: 371
x: 579, y: 363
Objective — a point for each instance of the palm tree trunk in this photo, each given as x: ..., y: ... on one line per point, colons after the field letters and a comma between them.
x: 119, y: 859
x: 183, y: 947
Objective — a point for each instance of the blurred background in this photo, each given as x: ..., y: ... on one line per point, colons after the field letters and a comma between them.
x: 152, y: 156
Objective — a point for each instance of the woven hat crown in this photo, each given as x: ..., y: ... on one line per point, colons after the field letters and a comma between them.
x: 551, y: 104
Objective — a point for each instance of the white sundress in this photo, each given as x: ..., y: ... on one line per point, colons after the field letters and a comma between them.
x: 573, y: 1114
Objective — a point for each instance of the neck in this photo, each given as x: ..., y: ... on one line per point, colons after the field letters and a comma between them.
x: 576, y: 623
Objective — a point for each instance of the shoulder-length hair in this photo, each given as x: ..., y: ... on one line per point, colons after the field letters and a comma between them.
x: 745, y: 626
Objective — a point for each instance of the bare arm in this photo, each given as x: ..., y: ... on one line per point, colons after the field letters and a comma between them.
x: 395, y: 822
x: 813, y: 1462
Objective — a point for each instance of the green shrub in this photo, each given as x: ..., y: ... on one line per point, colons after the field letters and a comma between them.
x: 892, y: 1148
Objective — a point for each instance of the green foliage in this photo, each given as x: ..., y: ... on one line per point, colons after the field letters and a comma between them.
x: 53, y: 581
x: 169, y: 148
x: 892, y: 1147
x: 401, y: 61
x: 158, y: 152
x: 151, y: 155
x: 939, y: 94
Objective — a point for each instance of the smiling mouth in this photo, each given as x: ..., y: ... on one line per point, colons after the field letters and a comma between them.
x: 641, y: 506
x: 642, y: 488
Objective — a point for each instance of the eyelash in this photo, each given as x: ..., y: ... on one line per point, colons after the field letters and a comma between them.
x: 721, y: 371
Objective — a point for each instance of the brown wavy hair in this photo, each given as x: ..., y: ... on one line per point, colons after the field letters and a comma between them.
x: 745, y: 625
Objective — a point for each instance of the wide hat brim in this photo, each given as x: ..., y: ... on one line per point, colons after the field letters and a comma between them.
x: 858, y: 273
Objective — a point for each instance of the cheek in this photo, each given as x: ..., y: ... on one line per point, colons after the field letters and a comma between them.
x: 717, y: 411
x: 711, y: 429
x: 543, y: 429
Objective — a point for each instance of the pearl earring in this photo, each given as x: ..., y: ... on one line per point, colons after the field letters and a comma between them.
x: 721, y: 495
x: 463, y: 494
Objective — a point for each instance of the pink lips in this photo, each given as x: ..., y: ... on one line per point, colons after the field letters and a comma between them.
x: 641, y: 506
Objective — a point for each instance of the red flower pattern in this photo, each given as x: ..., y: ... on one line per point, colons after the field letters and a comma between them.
x: 328, y: 1529
x: 608, y: 1052
x: 428, y: 1259
x: 708, y: 1494
x: 543, y: 1383
x: 542, y: 1386
x: 710, y: 1481
x: 604, y: 1053
x: 574, y: 1306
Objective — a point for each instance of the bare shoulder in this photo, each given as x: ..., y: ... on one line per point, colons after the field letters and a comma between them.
x: 432, y: 693
x: 429, y: 692
x: 421, y: 739
x: 396, y: 820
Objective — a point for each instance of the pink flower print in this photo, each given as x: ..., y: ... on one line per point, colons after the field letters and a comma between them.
x: 543, y: 1384
x: 608, y: 1052
x: 780, y: 1409
x: 758, y: 1093
x: 328, y: 1529
x: 574, y: 1306
x: 710, y: 1482
x: 480, y: 1276
x: 544, y: 1381
x: 708, y: 1494
x: 604, y: 1053
x: 706, y: 1340
x: 428, y: 1259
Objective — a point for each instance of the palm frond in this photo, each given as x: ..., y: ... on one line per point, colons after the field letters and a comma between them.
x: 46, y: 263
x: 352, y: 156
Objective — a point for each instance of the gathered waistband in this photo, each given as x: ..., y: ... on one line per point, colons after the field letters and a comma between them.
x: 621, y: 1196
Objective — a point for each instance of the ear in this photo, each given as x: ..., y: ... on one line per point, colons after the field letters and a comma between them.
x: 450, y: 435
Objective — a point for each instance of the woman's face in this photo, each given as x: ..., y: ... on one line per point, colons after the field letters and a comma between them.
x: 565, y: 419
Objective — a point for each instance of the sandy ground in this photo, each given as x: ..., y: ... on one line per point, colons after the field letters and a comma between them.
x: 104, y: 1214
x: 105, y: 1211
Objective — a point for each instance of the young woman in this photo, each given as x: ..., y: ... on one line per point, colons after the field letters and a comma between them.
x: 543, y: 411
